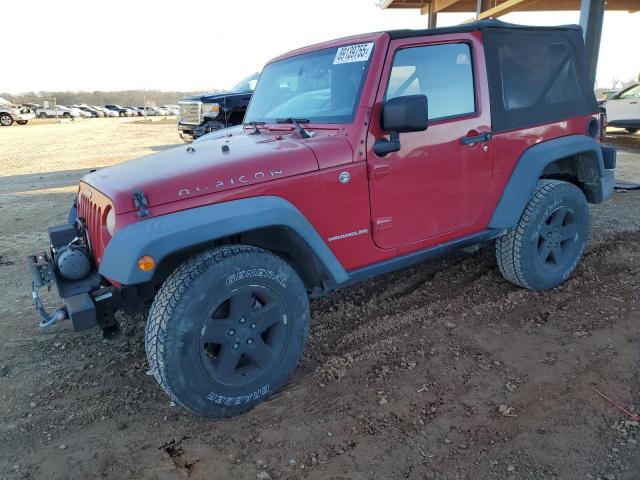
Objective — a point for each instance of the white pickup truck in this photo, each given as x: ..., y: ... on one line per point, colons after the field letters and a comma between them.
x: 10, y: 113
x: 62, y: 112
x: 623, y: 109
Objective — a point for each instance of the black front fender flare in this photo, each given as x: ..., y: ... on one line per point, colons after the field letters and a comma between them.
x: 161, y: 236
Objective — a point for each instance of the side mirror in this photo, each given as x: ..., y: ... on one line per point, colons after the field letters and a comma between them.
x: 400, y: 115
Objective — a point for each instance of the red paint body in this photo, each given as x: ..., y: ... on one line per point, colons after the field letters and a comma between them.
x: 433, y: 190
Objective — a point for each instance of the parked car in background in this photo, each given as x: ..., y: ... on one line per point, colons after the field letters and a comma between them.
x: 107, y: 112
x: 94, y: 110
x: 172, y: 109
x: 137, y: 111
x: 32, y: 106
x: 606, y: 95
x: 623, y: 109
x: 91, y: 113
x: 149, y: 112
x: 10, y: 113
x: 152, y: 111
x: 122, y: 111
x: 207, y: 112
x: 79, y: 112
x: 60, y: 110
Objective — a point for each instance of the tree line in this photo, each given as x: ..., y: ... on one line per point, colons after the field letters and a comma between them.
x: 121, y: 97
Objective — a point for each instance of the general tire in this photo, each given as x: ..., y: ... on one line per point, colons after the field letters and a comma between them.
x: 235, y: 305
x: 544, y: 248
x: 6, y: 120
x: 631, y: 130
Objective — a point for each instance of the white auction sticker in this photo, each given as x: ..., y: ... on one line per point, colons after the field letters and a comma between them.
x: 353, y: 53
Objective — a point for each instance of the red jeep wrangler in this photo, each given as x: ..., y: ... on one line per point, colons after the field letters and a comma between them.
x: 357, y: 157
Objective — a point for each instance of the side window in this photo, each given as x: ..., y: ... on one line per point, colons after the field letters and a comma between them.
x: 631, y: 93
x: 532, y: 75
x: 441, y: 72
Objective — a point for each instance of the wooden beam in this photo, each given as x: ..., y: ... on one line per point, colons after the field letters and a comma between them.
x: 385, y: 3
x: 439, y: 5
x: 470, y: 5
x: 504, y: 8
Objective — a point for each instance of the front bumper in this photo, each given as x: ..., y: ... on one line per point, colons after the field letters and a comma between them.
x: 24, y: 116
x: 88, y: 302
x: 189, y: 133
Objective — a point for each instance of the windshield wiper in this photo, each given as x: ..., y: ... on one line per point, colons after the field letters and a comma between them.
x: 297, y: 121
x: 256, y: 130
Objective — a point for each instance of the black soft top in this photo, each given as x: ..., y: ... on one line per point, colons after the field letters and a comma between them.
x: 536, y: 75
x: 474, y: 27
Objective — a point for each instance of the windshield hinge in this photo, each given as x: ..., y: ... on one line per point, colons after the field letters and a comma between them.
x: 141, y: 203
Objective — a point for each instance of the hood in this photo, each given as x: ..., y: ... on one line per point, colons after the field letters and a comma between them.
x: 212, y: 97
x: 204, y: 168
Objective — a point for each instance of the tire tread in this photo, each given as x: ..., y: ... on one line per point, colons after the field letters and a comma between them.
x: 167, y: 299
x: 509, y: 247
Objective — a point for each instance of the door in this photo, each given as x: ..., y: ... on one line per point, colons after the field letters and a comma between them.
x: 438, y: 182
x: 625, y: 106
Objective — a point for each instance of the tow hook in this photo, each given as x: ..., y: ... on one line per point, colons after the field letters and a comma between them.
x: 46, y: 319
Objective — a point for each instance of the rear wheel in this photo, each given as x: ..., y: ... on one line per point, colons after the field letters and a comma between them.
x: 42, y: 115
x: 631, y: 130
x: 66, y: 115
x: 544, y: 248
x: 6, y: 120
x: 227, y: 329
x: 22, y: 122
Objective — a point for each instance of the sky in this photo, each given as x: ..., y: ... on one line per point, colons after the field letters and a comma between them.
x: 199, y: 45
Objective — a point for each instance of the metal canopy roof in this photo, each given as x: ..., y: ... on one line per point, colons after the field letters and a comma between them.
x: 496, y: 8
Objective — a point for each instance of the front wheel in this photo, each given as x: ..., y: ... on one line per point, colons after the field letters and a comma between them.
x: 227, y: 329
x: 6, y: 120
x: 544, y: 248
x: 22, y: 122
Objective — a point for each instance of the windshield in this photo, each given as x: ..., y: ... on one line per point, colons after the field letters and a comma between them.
x: 319, y: 87
x: 246, y: 85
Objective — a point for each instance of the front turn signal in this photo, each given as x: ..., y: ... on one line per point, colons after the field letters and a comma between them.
x: 146, y: 263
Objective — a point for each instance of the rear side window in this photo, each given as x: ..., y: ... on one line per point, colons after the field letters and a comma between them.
x: 536, y: 75
x: 443, y: 73
x: 531, y: 74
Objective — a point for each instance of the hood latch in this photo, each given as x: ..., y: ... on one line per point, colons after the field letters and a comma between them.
x: 141, y: 203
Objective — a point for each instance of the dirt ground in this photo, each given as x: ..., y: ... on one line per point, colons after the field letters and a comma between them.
x: 403, y: 376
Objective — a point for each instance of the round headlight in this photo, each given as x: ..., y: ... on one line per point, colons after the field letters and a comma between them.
x: 111, y: 221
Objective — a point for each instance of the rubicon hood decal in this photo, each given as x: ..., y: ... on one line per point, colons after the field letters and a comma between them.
x: 231, y: 181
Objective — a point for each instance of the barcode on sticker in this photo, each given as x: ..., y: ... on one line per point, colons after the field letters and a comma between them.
x: 353, y: 53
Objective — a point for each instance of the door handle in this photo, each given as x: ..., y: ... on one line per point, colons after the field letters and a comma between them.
x: 483, y: 137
